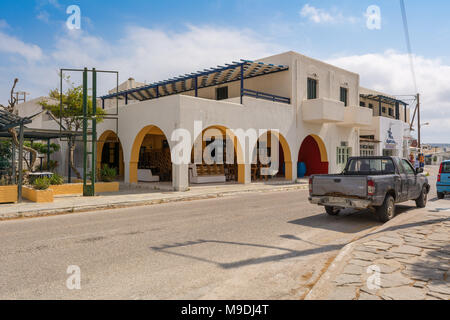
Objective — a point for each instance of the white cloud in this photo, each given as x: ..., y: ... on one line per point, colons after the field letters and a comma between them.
x: 10, y: 44
x: 145, y: 54
x: 318, y: 15
x: 153, y: 54
x: 43, y: 16
x: 390, y: 72
x: 54, y: 3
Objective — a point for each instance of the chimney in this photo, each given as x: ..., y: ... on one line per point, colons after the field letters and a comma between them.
x: 131, y: 83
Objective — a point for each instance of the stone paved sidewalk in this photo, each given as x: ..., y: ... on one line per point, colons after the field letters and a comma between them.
x: 129, y: 196
x: 407, y: 261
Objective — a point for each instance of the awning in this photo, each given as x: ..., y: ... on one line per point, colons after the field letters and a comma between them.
x: 384, y: 99
x: 201, y: 79
x: 9, y: 120
x: 43, y: 134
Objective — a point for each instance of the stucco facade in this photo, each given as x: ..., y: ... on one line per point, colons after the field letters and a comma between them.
x: 332, y: 124
x: 321, y: 131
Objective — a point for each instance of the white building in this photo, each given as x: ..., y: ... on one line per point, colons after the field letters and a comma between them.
x: 314, y: 106
x: 389, y: 134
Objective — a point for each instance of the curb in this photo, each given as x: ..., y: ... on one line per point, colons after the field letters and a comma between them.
x: 313, y: 294
x: 139, y: 203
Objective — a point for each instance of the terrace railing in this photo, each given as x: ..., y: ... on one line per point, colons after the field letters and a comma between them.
x: 265, y: 96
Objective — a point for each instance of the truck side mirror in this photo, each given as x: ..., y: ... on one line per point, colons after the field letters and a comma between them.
x: 419, y: 170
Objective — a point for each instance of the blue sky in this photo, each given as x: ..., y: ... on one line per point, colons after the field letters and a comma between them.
x: 146, y: 39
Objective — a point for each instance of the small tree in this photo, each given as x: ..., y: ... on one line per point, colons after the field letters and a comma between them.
x: 12, y: 108
x: 71, y: 113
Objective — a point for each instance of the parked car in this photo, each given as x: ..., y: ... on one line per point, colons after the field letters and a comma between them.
x: 377, y: 183
x: 443, y: 180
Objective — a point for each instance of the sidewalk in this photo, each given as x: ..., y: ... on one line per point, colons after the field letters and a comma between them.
x: 129, y: 196
x: 406, y: 259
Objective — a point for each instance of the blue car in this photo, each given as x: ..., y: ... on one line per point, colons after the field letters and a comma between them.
x: 443, y: 180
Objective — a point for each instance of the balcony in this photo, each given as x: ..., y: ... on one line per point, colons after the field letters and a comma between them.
x: 265, y: 96
x: 357, y: 117
x: 323, y: 110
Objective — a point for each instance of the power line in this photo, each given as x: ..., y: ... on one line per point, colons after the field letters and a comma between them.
x: 408, y: 43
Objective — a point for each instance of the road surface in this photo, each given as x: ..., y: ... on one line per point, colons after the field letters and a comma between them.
x: 248, y: 246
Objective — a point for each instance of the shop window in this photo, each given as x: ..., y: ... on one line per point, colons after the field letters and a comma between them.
x: 391, y: 112
x: 383, y: 109
x: 222, y: 93
x: 370, y: 106
x: 312, y: 88
x: 342, y: 155
x: 362, y: 104
x: 344, y: 96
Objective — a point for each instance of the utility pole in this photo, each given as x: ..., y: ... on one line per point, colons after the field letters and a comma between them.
x: 418, y: 123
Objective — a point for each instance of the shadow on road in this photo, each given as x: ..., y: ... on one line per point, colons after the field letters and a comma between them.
x: 348, y: 221
x: 287, y: 253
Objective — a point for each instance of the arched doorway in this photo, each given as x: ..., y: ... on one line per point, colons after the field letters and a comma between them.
x: 266, y: 143
x: 150, y: 159
x: 225, y: 166
x: 109, y: 152
x: 314, y: 154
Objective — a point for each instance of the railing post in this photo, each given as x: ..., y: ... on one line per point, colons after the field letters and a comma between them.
x: 196, y: 86
x: 242, y: 82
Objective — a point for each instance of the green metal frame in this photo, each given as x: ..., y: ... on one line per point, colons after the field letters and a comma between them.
x: 89, y: 188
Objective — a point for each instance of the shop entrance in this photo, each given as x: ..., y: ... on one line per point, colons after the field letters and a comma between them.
x: 314, y: 155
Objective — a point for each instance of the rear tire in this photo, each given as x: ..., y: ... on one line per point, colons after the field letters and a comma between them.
x: 387, y: 210
x: 332, y: 211
x: 421, y: 201
x: 441, y: 195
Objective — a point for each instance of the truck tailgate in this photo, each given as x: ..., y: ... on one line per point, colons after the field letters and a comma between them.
x: 355, y: 186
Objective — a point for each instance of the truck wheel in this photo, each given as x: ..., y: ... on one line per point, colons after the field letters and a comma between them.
x: 332, y: 211
x: 421, y: 201
x: 387, y: 210
x: 440, y: 195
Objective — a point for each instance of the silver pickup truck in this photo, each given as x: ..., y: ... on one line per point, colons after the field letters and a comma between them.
x: 370, y: 182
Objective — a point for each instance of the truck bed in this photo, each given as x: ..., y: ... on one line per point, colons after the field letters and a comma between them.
x: 339, y: 185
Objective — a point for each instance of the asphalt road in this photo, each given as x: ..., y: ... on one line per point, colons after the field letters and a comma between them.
x: 248, y: 246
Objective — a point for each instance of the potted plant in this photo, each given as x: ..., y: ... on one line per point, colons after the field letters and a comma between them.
x: 108, y: 174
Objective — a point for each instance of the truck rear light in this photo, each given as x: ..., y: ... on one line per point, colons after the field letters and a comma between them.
x: 370, y: 188
x: 310, y: 185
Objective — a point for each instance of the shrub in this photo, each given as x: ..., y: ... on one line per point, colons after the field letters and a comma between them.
x: 108, y: 174
x: 51, y: 165
x: 5, y: 180
x: 41, y: 183
x: 56, y: 179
